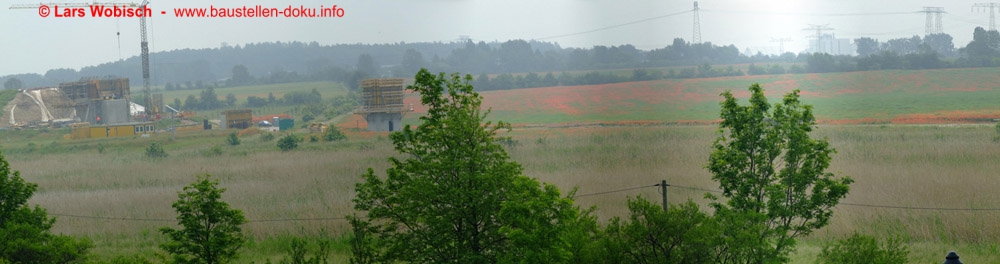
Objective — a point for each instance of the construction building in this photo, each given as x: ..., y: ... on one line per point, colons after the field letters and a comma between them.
x: 99, y: 101
x: 85, y: 130
x: 238, y: 118
x: 382, y: 104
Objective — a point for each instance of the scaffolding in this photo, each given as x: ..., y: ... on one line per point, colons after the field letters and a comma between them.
x: 382, y: 96
x: 382, y: 103
x: 99, y: 100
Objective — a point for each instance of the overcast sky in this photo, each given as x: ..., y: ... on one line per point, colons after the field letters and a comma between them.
x: 33, y: 44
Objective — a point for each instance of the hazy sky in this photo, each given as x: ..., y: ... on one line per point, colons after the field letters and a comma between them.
x: 33, y: 44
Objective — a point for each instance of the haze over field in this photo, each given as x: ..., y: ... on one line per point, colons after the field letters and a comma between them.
x: 33, y: 44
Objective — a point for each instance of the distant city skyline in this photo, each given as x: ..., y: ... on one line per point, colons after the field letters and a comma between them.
x: 33, y: 44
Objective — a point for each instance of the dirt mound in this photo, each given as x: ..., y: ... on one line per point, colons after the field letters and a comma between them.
x: 36, y: 106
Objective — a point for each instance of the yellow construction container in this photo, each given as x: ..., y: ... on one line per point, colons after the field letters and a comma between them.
x: 81, y: 131
x: 239, y: 118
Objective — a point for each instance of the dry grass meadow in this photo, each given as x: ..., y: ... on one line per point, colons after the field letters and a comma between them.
x: 119, y: 198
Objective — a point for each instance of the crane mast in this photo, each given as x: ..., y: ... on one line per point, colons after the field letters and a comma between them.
x: 145, y: 62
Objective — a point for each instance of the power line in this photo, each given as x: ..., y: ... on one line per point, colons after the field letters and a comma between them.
x: 871, y: 205
x: 622, y: 190
x: 577, y: 196
x: 175, y: 220
x: 614, y: 26
x: 806, y: 14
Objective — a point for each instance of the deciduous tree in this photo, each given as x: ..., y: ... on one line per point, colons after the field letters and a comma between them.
x: 25, y: 235
x: 210, y: 230
x: 773, y: 177
x: 457, y: 197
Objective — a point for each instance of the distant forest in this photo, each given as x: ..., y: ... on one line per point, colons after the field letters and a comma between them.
x: 283, y: 62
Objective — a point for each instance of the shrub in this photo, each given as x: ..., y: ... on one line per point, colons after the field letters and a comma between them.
x: 233, y: 139
x: 289, y: 142
x: 267, y: 137
x: 864, y: 249
x: 333, y: 134
x: 313, y: 138
x: 299, y: 249
x: 213, y: 151
x: 682, y: 234
x: 155, y: 150
x: 25, y: 231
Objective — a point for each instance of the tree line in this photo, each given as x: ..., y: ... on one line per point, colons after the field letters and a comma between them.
x: 282, y: 62
x: 278, y: 62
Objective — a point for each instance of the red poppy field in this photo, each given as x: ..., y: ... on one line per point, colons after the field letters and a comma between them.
x: 949, y: 96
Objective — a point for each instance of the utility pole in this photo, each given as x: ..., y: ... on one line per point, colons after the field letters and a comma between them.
x: 696, y: 38
x: 663, y: 192
x: 933, y: 24
x: 993, y: 7
x: 781, y: 44
x: 819, y: 35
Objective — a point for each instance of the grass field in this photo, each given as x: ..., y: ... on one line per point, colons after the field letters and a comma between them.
x: 901, y: 97
x: 925, y: 166
x: 106, y: 190
x: 326, y: 89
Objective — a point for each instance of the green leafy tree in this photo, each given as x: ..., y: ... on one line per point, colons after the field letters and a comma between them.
x: 333, y: 134
x: 457, y: 197
x: 209, y: 100
x: 230, y: 99
x: 682, y: 234
x: 13, y: 83
x: 155, y: 150
x: 413, y: 61
x: 241, y: 76
x: 210, y: 231
x: 25, y: 235
x: 773, y: 177
x: 233, y: 139
x: 289, y: 142
x: 192, y: 103
x: 862, y: 249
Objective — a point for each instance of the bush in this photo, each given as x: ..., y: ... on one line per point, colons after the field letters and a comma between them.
x: 333, y: 134
x: 155, y: 150
x: 299, y: 249
x: 289, y: 142
x: 214, y: 151
x: 682, y: 234
x: 233, y: 139
x: 864, y: 249
x: 267, y: 137
x: 313, y: 138
x: 25, y: 231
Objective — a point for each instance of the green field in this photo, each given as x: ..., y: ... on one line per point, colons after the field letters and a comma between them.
x: 903, y: 97
x: 928, y: 166
x: 326, y: 89
x: 107, y: 191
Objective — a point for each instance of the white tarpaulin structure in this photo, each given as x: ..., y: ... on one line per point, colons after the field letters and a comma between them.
x: 136, y: 109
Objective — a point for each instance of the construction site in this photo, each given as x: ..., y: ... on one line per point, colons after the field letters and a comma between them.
x: 382, y: 103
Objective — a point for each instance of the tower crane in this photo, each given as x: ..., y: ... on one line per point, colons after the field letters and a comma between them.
x: 144, y: 44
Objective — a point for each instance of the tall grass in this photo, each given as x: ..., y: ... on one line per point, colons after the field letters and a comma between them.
x: 910, y: 166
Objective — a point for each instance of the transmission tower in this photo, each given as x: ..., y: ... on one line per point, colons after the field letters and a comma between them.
x: 781, y: 44
x: 992, y: 6
x: 697, y: 25
x: 933, y: 25
x: 819, y: 35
